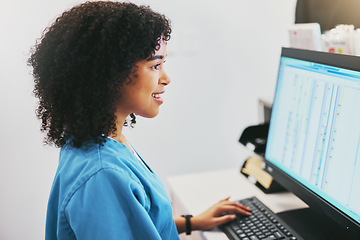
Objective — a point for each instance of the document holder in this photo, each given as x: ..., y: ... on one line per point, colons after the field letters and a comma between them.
x: 254, y: 138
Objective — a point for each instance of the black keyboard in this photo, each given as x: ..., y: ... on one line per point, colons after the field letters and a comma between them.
x: 261, y: 224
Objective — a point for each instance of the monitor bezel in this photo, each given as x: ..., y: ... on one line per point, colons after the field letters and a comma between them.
x: 349, y: 226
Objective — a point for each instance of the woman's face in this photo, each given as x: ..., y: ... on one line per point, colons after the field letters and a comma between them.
x: 143, y: 95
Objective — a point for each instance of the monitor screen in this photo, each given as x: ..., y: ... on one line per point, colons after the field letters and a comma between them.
x: 314, y: 136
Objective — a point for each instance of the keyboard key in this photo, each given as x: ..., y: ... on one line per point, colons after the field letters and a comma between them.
x: 278, y: 235
x: 272, y: 237
x: 242, y: 235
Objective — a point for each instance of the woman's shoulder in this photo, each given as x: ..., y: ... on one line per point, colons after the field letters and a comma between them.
x: 87, y: 171
x: 95, y: 157
x: 78, y: 165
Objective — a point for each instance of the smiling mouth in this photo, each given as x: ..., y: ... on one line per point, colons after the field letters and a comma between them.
x: 157, y: 97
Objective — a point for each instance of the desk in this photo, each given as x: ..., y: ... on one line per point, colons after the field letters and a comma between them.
x: 194, y: 193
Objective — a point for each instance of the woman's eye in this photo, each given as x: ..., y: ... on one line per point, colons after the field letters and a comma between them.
x: 156, y: 67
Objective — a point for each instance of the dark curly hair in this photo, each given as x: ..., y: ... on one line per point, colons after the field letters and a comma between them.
x: 81, y: 62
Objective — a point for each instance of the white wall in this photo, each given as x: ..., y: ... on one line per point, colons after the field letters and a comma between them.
x: 223, y: 56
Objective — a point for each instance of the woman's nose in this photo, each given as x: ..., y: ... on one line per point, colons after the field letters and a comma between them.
x: 165, y: 79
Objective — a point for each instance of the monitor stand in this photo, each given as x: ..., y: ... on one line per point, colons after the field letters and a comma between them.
x: 312, y: 225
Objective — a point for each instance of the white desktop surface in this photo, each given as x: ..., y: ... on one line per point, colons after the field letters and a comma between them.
x: 194, y: 193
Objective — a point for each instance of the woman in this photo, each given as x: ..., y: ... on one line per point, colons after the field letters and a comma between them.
x: 98, y: 64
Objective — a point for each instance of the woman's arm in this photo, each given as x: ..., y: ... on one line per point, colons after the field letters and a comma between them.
x: 213, y: 216
x: 180, y: 224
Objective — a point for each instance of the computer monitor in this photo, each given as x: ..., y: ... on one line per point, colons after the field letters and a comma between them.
x: 313, y: 145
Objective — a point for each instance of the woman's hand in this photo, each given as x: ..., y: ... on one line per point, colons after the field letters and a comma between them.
x: 214, y: 217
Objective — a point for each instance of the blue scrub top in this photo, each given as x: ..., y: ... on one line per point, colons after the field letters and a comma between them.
x: 105, y: 192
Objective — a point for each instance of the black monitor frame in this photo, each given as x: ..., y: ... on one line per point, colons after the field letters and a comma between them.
x: 350, y: 227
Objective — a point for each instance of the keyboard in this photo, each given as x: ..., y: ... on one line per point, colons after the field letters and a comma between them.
x: 262, y: 224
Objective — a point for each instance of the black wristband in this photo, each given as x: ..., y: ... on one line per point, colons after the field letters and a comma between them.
x: 187, y: 223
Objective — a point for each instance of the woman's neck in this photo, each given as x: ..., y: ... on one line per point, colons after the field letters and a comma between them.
x: 118, y: 136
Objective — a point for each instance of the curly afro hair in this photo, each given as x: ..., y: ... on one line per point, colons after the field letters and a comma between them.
x: 81, y: 62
